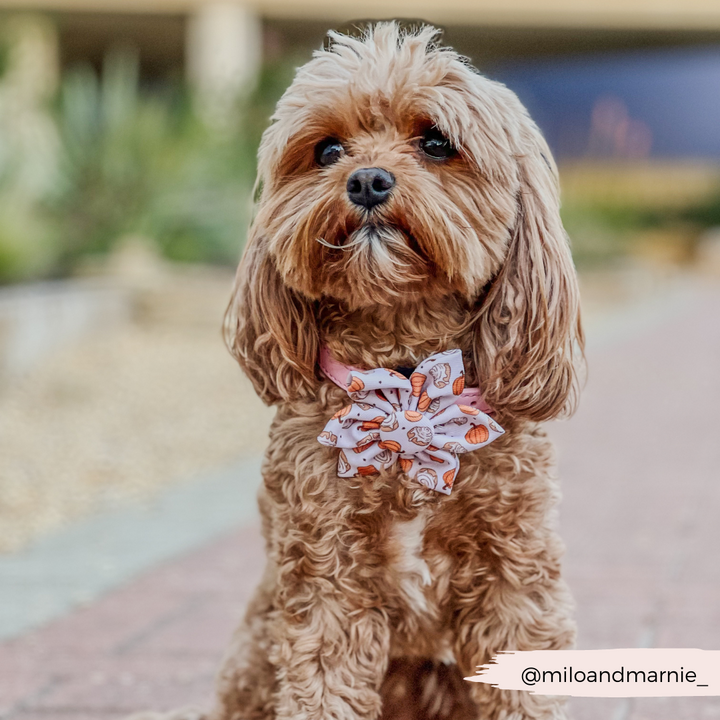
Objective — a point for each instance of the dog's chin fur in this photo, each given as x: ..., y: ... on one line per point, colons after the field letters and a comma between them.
x: 381, y: 268
x: 467, y: 252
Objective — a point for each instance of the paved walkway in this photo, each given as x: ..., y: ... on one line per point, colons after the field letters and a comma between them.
x: 640, y: 464
x: 102, y: 552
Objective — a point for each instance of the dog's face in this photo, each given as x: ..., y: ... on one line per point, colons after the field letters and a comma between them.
x: 389, y: 171
x: 393, y: 175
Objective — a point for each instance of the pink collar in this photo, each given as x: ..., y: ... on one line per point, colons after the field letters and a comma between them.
x: 338, y: 373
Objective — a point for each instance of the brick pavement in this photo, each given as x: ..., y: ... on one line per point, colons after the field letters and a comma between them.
x: 155, y: 642
x: 640, y: 463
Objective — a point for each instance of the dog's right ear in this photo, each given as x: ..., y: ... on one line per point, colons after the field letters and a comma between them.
x: 270, y: 329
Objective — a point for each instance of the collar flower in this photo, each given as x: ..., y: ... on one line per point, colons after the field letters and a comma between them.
x: 420, y: 422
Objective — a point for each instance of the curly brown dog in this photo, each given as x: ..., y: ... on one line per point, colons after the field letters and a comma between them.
x: 408, y: 206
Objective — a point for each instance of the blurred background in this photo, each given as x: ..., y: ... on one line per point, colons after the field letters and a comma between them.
x: 128, y: 133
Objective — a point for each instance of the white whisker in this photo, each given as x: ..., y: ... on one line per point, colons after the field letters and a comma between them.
x: 345, y: 246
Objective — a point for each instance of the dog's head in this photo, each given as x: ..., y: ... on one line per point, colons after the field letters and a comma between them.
x: 393, y: 171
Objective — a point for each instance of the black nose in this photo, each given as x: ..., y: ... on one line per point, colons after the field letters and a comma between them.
x: 370, y: 186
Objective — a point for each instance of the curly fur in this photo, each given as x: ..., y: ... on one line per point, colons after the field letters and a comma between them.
x: 380, y: 594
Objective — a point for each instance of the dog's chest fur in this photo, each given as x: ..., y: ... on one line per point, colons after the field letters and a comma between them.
x: 418, y: 571
x: 405, y: 553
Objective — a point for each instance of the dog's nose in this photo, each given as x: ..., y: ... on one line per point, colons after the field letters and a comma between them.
x: 369, y: 187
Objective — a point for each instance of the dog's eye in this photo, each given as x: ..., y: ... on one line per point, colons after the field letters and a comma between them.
x: 329, y: 151
x: 435, y: 145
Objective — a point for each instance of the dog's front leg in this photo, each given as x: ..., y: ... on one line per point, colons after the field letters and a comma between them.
x: 330, y: 636
x: 522, y: 605
x: 508, y: 593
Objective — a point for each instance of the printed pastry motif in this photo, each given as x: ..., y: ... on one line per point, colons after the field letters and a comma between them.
x: 344, y: 466
x: 390, y: 423
x: 441, y: 374
x: 417, y: 380
x: 329, y: 438
x: 428, y: 477
x: 421, y: 435
x: 417, y: 423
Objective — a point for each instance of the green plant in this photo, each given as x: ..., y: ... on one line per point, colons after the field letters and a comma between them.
x: 599, y: 234
x: 134, y: 161
x: 143, y: 164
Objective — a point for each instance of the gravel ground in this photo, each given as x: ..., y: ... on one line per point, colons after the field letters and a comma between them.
x: 119, y: 416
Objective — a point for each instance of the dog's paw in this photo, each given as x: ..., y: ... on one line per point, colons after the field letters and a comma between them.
x: 423, y: 689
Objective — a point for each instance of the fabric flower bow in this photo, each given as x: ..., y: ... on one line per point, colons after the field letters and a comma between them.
x: 417, y: 421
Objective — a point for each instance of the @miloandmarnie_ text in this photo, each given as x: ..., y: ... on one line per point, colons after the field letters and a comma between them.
x: 631, y: 672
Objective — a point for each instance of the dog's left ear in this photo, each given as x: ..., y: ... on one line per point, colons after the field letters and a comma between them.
x: 528, y: 339
x: 270, y: 329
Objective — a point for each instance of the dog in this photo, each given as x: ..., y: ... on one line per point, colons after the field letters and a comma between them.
x: 407, y: 232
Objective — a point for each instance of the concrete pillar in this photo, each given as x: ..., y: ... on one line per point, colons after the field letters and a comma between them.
x: 224, y: 47
x: 28, y: 138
